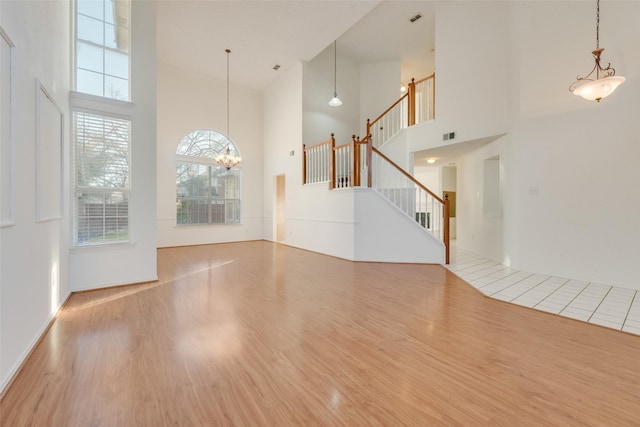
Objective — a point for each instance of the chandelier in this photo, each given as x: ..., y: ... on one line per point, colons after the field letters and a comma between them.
x: 604, y: 82
x: 228, y: 160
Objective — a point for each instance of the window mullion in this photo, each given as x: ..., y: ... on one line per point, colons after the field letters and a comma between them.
x: 209, y: 198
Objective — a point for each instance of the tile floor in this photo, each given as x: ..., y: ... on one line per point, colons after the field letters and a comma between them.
x: 604, y: 305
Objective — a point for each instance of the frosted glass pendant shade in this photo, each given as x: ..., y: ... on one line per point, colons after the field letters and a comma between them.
x: 595, y: 90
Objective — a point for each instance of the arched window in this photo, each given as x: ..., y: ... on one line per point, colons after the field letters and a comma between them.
x: 207, y: 193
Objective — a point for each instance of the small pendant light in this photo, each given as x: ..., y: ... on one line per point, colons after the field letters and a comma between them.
x: 335, y: 101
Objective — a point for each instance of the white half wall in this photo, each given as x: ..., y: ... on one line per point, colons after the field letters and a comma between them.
x: 322, y: 220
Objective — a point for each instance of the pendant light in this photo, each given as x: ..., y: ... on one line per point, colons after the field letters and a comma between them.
x: 605, y: 81
x: 228, y: 160
x: 335, y: 101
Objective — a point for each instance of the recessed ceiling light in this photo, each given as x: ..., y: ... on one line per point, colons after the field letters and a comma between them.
x: 415, y: 18
x: 276, y: 67
x: 431, y: 161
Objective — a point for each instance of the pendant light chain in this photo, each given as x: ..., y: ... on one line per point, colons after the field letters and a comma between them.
x: 228, y: 52
x: 597, y: 24
x: 335, y: 68
x: 228, y: 160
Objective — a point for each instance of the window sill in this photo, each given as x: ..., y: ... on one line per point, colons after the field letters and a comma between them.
x: 207, y: 225
x: 100, y: 103
x: 98, y: 247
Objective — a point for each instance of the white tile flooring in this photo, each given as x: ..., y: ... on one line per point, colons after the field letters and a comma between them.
x: 604, y: 305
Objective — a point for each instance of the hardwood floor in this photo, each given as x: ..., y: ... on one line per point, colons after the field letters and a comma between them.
x: 261, y: 334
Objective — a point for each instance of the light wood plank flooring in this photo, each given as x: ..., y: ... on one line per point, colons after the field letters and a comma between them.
x: 261, y: 334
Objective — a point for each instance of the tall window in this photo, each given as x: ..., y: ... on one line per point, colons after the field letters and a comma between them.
x: 206, y: 192
x: 102, y: 48
x: 102, y: 178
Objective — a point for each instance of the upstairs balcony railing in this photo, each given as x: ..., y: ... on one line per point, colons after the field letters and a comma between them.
x: 415, y: 106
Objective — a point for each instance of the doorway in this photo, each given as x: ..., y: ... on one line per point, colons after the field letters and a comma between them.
x: 280, y: 208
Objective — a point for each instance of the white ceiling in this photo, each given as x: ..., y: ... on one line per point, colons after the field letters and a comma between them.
x: 447, y: 155
x: 386, y: 34
x: 193, y: 34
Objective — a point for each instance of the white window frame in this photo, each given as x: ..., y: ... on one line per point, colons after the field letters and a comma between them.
x: 76, y: 189
x: 210, y: 163
x: 105, y: 49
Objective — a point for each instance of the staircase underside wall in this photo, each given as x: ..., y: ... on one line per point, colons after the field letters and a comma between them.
x: 385, y: 234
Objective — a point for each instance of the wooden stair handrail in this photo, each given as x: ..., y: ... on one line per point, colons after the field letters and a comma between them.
x: 406, y: 174
x: 388, y: 109
x: 445, y: 202
x: 432, y: 76
x: 327, y: 142
x: 411, y: 95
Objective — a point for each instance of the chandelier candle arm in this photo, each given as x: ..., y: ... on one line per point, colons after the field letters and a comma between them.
x: 228, y: 160
x: 605, y: 81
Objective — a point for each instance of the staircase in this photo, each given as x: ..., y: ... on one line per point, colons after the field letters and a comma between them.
x: 360, y: 163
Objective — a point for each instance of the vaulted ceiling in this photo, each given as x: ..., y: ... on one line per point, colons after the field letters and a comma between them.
x: 193, y: 34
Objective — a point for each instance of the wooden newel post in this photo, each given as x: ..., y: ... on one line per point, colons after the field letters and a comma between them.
x: 368, y: 136
x: 304, y: 164
x: 369, y: 158
x: 355, y: 172
x: 332, y: 163
x: 411, y: 116
x: 446, y: 228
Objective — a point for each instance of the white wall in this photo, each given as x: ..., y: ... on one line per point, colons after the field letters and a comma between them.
x: 476, y: 231
x: 34, y: 262
x: 95, y: 267
x: 472, y: 73
x: 316, y: 219
x: 186, y: 102
x: 429, y: 177
x: 379, y: 89
x: 568, y: 166
x: 282, y: 109
x: 397, y: 150
x: 319, y: 119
